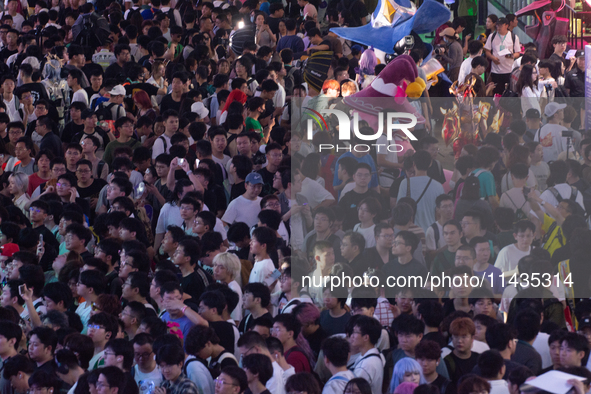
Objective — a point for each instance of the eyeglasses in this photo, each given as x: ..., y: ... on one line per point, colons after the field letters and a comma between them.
x: 95, y: 326
x: 222, y: 383
x: 143, y: 355
x: 273, y: 205
x: 398, y: 243
x: 15, y: 132
x: 100, y: 385
x: 110, y: 353
x: 36, y: 210
x: 64, y: 185
x: 83, y: 171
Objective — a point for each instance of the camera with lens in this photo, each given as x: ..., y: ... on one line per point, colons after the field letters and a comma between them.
x: 548, y: 87
x: 439, y: 49
x: 567, y: 133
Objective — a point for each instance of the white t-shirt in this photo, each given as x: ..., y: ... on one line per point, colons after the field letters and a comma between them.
x: 509, y: 256
x: 288, y: 372
x: 314, y: 192
x: 498, y: 44
x: 550, y: 137
x: 198, y: 373
x: 155, y: 376
x: 83, y: 311
x: 262, y: 271
x: 430, y: 238
x: 276, y: 384
x: 465, y: 69
x: 336, y: 384
x: 368, y: 234
x: 498, y: 387
x: 541, y: 172
x: 371, y: 368
x: 158, y: 147
x: 565, y: 191
x: 244, y: 210
x: 542, y: 347
x: 237, y: 312
x: 81, y: 96
x: 530, y: 98
x: 169, y: 214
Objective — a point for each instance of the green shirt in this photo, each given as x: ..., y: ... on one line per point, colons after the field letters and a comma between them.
x: 111, y: 146
x: 253, y: 125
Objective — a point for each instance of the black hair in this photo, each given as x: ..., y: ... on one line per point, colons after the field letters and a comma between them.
x: 259, y: 290
x: 91, y: 280
x: 170, y: 355
x: 336, y: 350
x: 58, y: 292
x: 491, y: 364
x: 259, y: 364
x: 46, y: 336
x: 15, y: 364
x: 408, y: 324
x: 369, y: 326
x: 122, y: 347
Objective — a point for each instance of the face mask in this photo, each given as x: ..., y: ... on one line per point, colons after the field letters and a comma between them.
x: 252, y: 18
x: 445, y: 40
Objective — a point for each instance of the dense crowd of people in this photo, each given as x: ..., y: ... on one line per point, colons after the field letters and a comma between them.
x: 168, y: 224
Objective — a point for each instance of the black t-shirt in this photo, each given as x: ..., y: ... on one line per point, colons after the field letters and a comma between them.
x: 137, y: 86
x: 168, y: 103
x: 458, y: 367
x: 113, y: 71
x: 395, y: 269
x: 333, y: 325
x: 90, y: 91
x: 91, y: 191
x: 6, y: 53
x: 37, y: 91
x: 273, y: 24
x: 395, y: 187
x: 70, y: 130
x: 247, y: 322
x: 195, y: 283
x: 237, y: 190
x: 267, y: 182
x: 315, y: 340
x: 349, y: 204
x: 442, y: 384
x: 225, y: 332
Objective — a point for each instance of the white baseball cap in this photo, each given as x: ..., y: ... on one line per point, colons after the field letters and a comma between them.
x: 552, y: 108
x: 118, y: 90
x: 199, y: 109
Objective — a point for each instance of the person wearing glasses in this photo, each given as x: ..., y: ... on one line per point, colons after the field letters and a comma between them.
x: 88, y: 187
x: 111, y: 380
x: 101, y: 328
x: 119, y: 353
x: 42, y: 382
x: 232, y: 380
x: 145, y: 368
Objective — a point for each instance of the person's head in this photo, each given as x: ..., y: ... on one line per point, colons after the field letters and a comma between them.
x: 573, y: 350
x: 256, y: 295
x: 524, y: 233
x: 409, y: 331
x: 362, y: 175
x: 465, y: 256
x: 42, y: 344
x: 111, y: 380
x: 57, y: 296
x: 10, y: 337
x: 119, y: 353
x: 491, y: 364
x: 336, y: 351
x: 365, y: 332
x: 232, y: 380
x: 406, y: 370
x: 428, y: 355
x: 102, y: 327
x: 171, y: 358
x: 462, y: 331
x: 452, y: 232
x: 43, y: 381
x: 471, y: 224
x: 286, y: 328
x: 263, y: 241
x: 517, y: 377
x: 352, y: 245
x: 258, y: 367
x: 405, y: 243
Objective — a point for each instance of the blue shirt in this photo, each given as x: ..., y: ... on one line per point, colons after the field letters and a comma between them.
x: 184, y: 323
x: 363, y: 159
x: 295, y: 43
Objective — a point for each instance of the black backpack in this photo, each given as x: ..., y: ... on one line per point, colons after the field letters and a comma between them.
x: 103, y: 112
x: 171, y: 17
x: 94, y: 30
